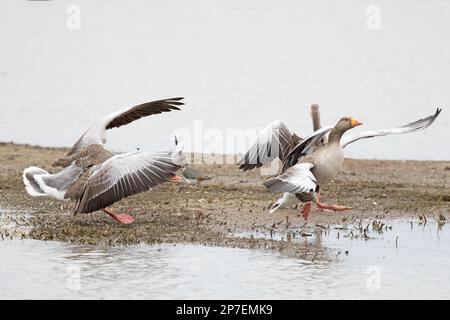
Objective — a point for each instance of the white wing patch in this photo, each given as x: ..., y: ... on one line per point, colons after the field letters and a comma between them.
x: 33, y: 190
x: 53, y: 192
x: 302, y: 177
x: 296, y: 179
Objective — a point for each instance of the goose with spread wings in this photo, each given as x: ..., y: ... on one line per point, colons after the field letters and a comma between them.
x: 95, y: 178
x: 308, y: 164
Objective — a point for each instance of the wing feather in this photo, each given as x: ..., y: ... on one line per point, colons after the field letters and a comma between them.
x: 97, y: 133
x: 305, y: 147
x: 296, y: 179
x: 407, y: 128
x: 124, y: 175
x: 274, y: 141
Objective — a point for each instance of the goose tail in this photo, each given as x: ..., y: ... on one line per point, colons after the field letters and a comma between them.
x: 285, y: 200
x: 31, y: 185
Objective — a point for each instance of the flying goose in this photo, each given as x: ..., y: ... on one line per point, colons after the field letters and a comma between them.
x: 308, y: 164
x: 96, y: 178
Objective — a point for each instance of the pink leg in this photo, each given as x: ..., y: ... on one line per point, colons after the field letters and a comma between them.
x: 332, y: 207
x: 306, y: 210
x: 318, y: 201
x: 121, y: 218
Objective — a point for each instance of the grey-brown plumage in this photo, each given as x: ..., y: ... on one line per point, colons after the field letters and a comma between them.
x: 144, y: 110
x: 95, y: 189
x: 275, y: 141
x: 324, y: 163
x: 315, y: 115
x: 193, y: 174
x: 89, y: 157
x: 315, y: 160
x: 96, y: 178
x: 96, y: 134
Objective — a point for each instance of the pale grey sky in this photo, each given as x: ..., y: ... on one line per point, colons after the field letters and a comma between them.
x: 240, y: 65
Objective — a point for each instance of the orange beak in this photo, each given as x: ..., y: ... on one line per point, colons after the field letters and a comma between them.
x: 356, y: 123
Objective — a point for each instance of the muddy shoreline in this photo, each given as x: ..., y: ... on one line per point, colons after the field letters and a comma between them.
x: 218, y: 211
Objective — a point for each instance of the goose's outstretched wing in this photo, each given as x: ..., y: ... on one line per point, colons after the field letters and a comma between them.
x: 97, y: 133
x: 274, y: 141
x: 124, y: 175
x: 296, y: 179
x: 410, y: 127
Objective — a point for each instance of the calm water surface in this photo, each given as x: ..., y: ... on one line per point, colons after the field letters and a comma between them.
x: 417, y: 266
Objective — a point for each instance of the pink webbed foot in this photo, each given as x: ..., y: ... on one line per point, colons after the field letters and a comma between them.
x: 332, y: 207
x: 306, y: 210
x: 122, y: 218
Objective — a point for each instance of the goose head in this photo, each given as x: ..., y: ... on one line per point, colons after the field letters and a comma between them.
x: 344, y: 124
x: 347, y: 123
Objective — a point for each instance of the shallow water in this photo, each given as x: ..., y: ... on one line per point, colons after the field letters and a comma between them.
x: 417, y: 265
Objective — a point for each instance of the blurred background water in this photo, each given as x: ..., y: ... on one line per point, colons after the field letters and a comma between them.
x: 240, y: 65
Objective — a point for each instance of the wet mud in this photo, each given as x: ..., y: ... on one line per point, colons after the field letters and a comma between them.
x: 220, y: 210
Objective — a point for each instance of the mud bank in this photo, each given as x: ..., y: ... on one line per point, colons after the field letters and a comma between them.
x: 216, y: 211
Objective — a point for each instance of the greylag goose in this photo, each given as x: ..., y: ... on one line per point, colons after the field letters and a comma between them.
x: 315, y: 116
x: 96, y: 178
x: 193, y: 175
x: 189, y: 174
x: 308, y: 164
